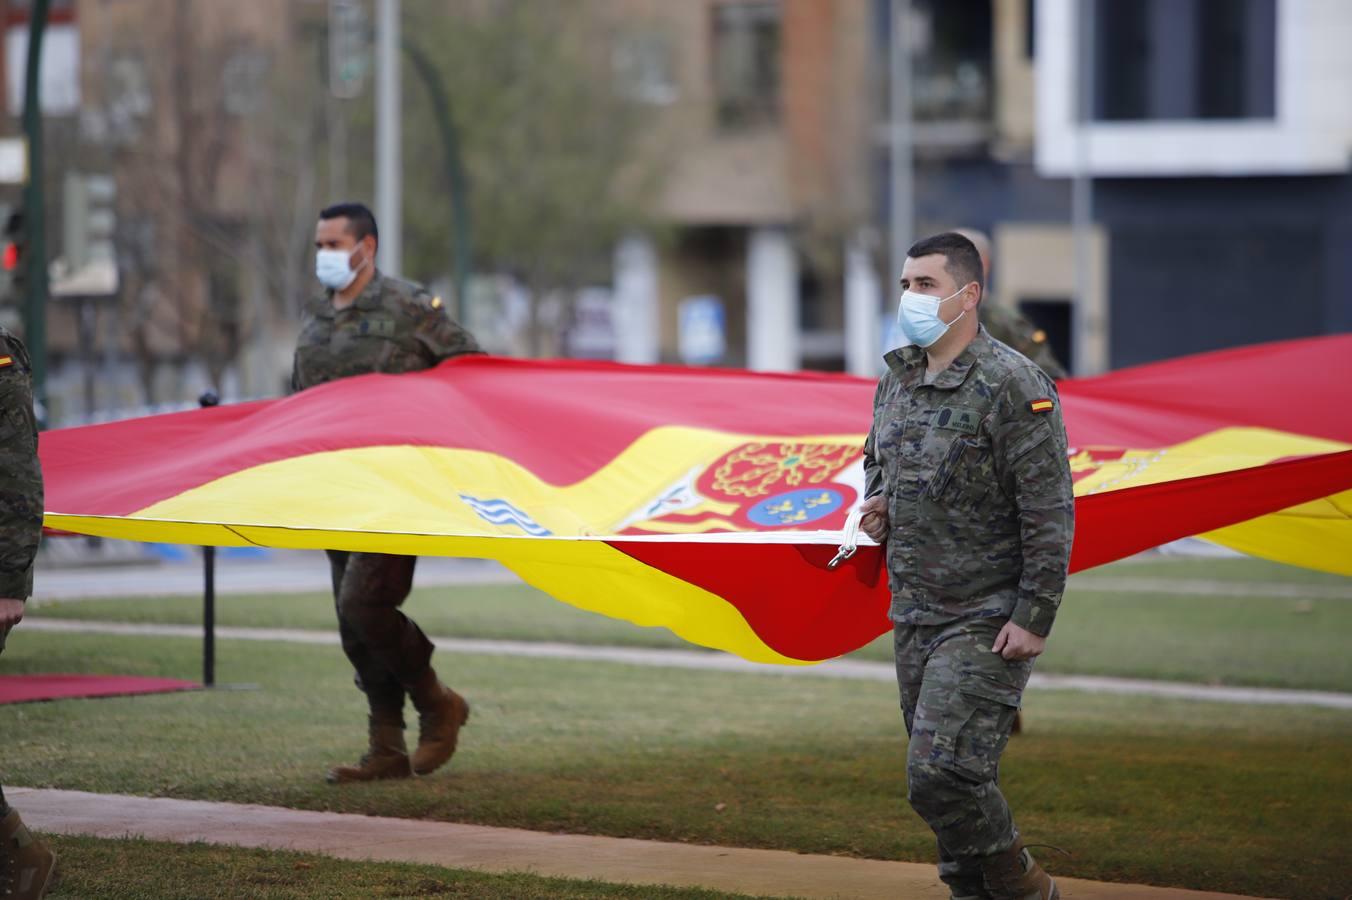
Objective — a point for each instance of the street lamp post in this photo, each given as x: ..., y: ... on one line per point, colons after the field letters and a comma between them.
x: 35, y: 224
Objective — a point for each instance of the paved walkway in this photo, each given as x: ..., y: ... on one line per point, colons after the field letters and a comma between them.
x: 283, y: 573
x: 720, y: 662
x: 626, y: 860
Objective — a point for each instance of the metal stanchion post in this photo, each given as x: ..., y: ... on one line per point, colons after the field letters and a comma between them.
x: 208, y: 589
x: 209, y: 616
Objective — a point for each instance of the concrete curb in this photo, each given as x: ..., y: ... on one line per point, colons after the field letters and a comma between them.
x: 626, y: 860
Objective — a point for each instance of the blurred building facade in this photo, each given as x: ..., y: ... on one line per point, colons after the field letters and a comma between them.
x: 1217, y: 150
x: 161, y: 147
x: 772, y: 106
x: 1221, y: 151
x: 973, y: 133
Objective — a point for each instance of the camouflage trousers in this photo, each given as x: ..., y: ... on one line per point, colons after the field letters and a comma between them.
x: 387, y: 649
x: 958, y: 700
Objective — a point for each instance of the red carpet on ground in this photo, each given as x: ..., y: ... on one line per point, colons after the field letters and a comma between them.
x: 33, y: 688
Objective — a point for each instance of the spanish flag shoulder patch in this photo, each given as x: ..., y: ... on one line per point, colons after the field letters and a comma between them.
x: 1043, y: 405
x: 6, y: 361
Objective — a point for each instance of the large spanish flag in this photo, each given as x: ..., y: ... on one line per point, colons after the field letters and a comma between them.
x: 706, y: 501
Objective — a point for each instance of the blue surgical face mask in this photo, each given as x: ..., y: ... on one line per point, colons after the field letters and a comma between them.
x: 918, y: 318
x: 334, y: 269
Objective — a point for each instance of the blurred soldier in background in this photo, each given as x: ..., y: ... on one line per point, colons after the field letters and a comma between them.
x: 362, y: 322
x: 1006, y: 324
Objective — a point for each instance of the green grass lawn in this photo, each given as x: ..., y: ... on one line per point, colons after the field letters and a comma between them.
x: 146, y: 870
x: 1289, y: 642
x: 1251, y: 800
x: 1234, y: 568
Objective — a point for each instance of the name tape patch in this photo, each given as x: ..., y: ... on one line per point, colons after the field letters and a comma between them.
x: 956, y: 418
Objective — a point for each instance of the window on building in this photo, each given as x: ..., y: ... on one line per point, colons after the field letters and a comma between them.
x: 644, y: 67
x: 951, y: 59
x: 1185, y: 59
x: 746, y: 49
x: 1235, y: 78
x: 1122, y: 54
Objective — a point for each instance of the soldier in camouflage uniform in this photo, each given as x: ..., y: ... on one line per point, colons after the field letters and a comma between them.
x: 1008, y: 325
x: 366, y: 322
x: 25, y: 864
x: 968, y: 486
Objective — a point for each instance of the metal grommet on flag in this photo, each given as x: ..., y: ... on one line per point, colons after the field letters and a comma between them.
x: 850, y: 537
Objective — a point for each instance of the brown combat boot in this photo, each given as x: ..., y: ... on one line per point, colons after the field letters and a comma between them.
x: 441, y: 713
x: 26, y: 864
x: 386, y: 758
x: 1015, y: 875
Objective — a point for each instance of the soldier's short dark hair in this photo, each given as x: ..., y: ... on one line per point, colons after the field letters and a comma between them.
x: 360, y: 220
x: 961, y: 259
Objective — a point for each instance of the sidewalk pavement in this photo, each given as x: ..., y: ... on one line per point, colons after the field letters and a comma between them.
x: 624, y: 860
x: 283, y: 572
x: 292, y: 571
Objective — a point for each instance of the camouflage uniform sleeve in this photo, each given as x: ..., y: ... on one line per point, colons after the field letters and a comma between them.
x: 873, y: 471
x: 20, y: 475
x: 1030, y: 456
x: 441, y: 336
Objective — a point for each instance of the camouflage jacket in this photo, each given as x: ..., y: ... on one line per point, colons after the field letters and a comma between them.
x: 20, y: 472
x: 1009, y: 326
x: 978, y: 487
x: 393, y: 326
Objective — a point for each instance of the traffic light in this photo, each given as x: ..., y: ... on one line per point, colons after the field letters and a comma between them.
x: 12, y: 255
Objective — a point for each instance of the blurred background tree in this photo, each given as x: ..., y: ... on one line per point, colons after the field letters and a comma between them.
x: 548, y: 144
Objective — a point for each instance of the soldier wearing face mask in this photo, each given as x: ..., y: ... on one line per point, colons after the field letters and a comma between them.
x: 364, y: 322
x: 968, y: 487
